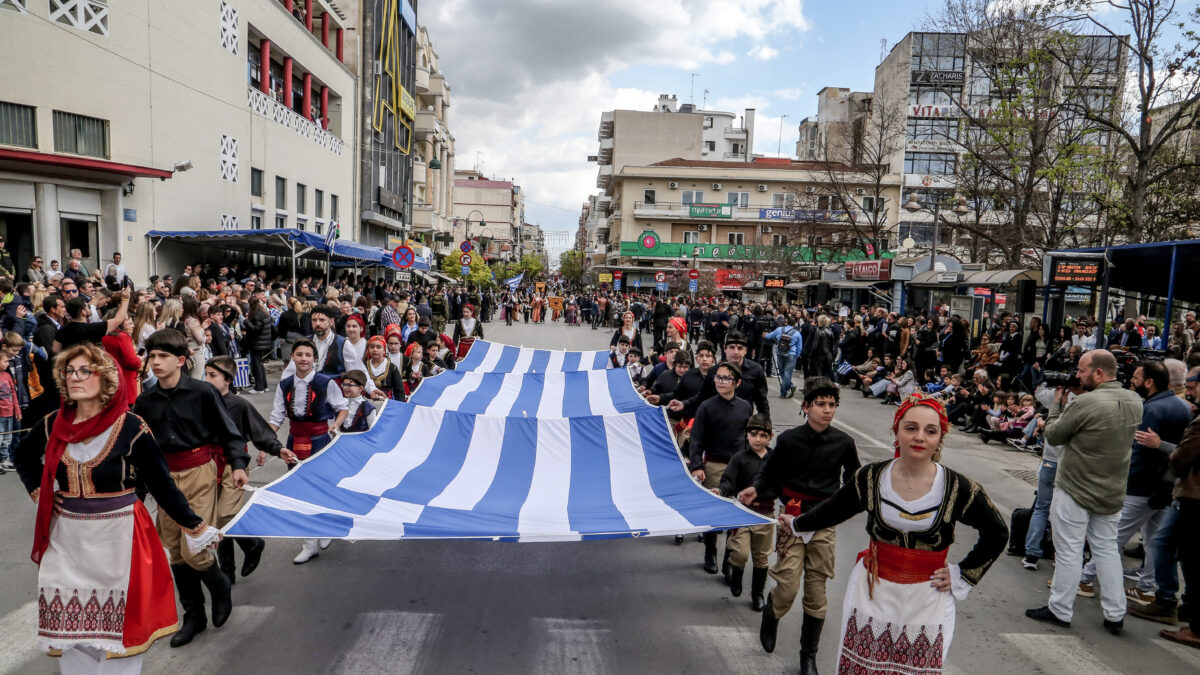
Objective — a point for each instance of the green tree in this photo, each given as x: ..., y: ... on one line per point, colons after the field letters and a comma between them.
x: 570, y: 265
x: 531, y: 265
x: 481, y: 274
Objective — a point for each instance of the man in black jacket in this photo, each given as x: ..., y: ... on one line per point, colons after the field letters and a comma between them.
x: 752, y: 385
x: 53, y: 317
x: 808, y: 465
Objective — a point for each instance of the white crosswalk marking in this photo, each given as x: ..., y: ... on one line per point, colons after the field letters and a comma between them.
x: 389, y: 642
x: 1062, y: 654
x: 571, y: 647
x: 19, y: 629
x: 1188, y: 655
x: 210, y: 646
x: 735, y: 648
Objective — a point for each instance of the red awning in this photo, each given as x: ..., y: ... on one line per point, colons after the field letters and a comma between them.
x: 47, y: 160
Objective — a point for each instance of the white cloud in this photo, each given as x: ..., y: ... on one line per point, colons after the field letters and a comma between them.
x: 531, y: 77
x: 788, y: 94
x: 763, y: 52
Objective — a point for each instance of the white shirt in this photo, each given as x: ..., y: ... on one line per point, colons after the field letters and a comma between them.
x: 333, y: 396
x: 322, y: 352
x: 116, y: 270
x: 927, y: 503
x: 1085, y: 342
x: 353, y: 404
x: 353, y: 357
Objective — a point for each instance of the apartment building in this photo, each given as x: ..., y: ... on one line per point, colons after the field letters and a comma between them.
x: 732, y: 218
x: 841, y: 116
x: 489, y: 211
x: 117, y: 118
x: 433, y: 156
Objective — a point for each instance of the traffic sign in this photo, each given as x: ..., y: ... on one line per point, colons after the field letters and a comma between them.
x: 465, y: 247
x: 637, y: 283
x: 660, y: 276
x: 693, y: 285
x: 403, y: 256
x: 465, y: 259
x: 661, y: 286
x: 403, y: 276
x: 693, y: 274
x: 617, y: 284
x: 466, y: 270
x: 618, y: 274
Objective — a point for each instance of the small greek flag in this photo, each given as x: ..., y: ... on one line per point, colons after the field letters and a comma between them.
x: 332, y: 235
x: 514, y: 282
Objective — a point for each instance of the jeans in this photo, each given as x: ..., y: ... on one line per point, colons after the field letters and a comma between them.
x: 1136, y: 514
x: 879, y: 387
x: 1072, y: 523
x: 1166, y: 555
x: 1041, y: 509
x: 787, y: 367
x: 6, y: 440
x: 257, y: 371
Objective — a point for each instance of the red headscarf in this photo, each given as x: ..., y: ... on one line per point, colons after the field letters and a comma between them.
x: 377, y: 338
x: 680, y: 325
x: 357, y: 318
x: 65, y: 431
x: 409, y: 349
x: 915, y: 399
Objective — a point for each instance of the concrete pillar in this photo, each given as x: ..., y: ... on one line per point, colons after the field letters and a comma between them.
x: 111, y: 229
x: 339, y: 45
x: 47, y: 227
x: 306, y: 101
x: 287, y: 81
x: 264, y: 67
x: 325, y: 107
x: 308, y: 15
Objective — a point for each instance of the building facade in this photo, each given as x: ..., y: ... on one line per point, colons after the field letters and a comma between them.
x: 433, y: 156
x: 491, y: 210
x: 120, y: 118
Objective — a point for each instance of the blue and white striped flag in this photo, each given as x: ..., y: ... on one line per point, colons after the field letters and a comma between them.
x: 514, y: 281
x: 548, y: 395
x: 492, y: 357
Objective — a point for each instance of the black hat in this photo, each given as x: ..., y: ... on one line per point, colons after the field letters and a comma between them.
x: 735, y: 338
x: 356, y: 376
x: 759, y: 421
x: 422, y: 322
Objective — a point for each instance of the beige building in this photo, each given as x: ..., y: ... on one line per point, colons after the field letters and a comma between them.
x: 433, y: 153
x: 841, y: 116
x: 491, y: 209
x: 124, y: 117
x: 733, y: 218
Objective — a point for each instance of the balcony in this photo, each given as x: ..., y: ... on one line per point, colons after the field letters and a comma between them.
x: 418, y: 173
x: 606, y: 125
x: 270, y: 108
x: 428, y: 125
x: 736, y: 155
x: 421, y: 82
x: 713, y: 212
x: 437, y: 85
x: 727, y: 252
x: 735, y: 132
x: 604, y: 176
x: 606, y: 152
x: 422, y: 218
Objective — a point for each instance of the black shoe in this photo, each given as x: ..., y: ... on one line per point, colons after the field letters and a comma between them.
x: 758, y: 580
x: 1114, y: 627
x: 1044, y: 614
x: 710, y: 552
x: 768, y: 628
x: 253, y: 554
x: 678, y: 539
x: 726, y: 568
x: 187, y: 582
x: 735, y: 580
x: 810, y: 639
x: 971, y: 429
x: 219, y: 588
x: 1030, y: 562
x: 225, y: 559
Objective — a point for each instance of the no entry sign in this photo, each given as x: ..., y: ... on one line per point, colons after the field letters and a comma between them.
x: 693, y: 274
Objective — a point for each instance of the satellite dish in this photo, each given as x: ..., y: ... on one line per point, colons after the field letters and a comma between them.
x: 908, y: 242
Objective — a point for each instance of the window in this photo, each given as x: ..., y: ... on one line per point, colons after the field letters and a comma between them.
x: 280, y: 222
x: 938, y: 51
x: 710, y: 146
x: 302, y: 224
x: 254, y: 67
x: 80, y: 135
x: 779, y: 240
x: 693, y: 197
x: 255, y: 221
x: 256, y: 182
x: 648, y: 197
x: 930, y: 163
x: 932, y: 130
x: 872, y: 204
x: 738, y: 198
x: 280, y: 193
x: 333, y: 208
x: 783, y: 200
x: 708, y: 122
x: 737, y: 238
x: 738, y: 148
x: 935, y: 95
x: 317, y: 227
x: 18, y: 125
x: 691, y: 237
x: 319, y: 204
x: 927, y: 197
x: 301, y: 207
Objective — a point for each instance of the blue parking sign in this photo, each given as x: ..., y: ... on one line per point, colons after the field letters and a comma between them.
x: 661, y: 286
x: 616, y: 284
x: 693, y: 285
x: 466, y: 270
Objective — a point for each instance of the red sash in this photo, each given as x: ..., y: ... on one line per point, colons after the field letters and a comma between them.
x: 302, y: 435
x: 190, y: 459
x: 899, y: 565
x: 797, y: 500
x: 464, y: 346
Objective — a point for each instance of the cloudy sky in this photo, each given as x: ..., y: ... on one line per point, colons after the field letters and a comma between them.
x: 531, y: 77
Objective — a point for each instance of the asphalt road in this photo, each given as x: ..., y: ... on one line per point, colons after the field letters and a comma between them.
x: 623, y: 606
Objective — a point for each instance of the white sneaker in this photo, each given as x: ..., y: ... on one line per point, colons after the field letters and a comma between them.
x: 7, y: 465
x: 325, y: 543
x: 307, y: 552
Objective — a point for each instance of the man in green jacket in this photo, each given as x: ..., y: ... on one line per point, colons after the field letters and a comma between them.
x: 1096, y: 433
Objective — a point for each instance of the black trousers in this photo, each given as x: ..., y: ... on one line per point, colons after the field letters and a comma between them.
x: 257, y: 371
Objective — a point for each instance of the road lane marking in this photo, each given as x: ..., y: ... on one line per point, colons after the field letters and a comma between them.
x: 211, y: 646
x: 571, y: 647
x: 1189, y: 655
x: 736, y: 648
x: 389, y: 642
x: 1059, y: 653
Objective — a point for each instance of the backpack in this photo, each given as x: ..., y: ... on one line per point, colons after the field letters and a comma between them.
x: 784, y: 346
x: 1019, y: 527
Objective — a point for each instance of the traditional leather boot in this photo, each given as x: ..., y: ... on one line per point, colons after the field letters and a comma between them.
x: 710, y: 552
x: 810, y: 638
x: 187, y: 582
x: 219, y: 588
x: 253, y: 548
x: 768, y: 628
x: 735, y: 580
x: 726, y: 568
x: 225, y: 559
x: 758, y: 581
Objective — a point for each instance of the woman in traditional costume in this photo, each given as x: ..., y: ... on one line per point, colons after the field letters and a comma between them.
x: 467, y: 331
x: 382, y: 371
x: 898, y: 614
x: 105, y: 587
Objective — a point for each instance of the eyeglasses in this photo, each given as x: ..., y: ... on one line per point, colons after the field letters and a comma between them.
x: 723, y: 378
x: 70, y: 291
x: 79, y: 375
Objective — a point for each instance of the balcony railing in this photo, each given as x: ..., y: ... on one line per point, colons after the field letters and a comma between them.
x: 735, y: 131
x: 735, y: 155
x: 706, y: 212
x: 268, y: 107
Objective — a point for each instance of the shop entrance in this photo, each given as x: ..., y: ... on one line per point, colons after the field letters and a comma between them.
x: 17, y: 230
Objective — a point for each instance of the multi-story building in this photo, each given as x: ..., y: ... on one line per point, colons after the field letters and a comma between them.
x: 491, y: 210
x: 389, y: 112
x: 433, y: 158
x: 120, y: 118
x: 841, y: 116
x: 736, y: 219
x: 533, y: 241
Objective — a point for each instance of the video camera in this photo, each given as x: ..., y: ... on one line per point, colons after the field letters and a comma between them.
x: 1061, y: 371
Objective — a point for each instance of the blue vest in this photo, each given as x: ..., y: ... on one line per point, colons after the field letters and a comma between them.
x: 317, y: 407
x: 335, y: 366
x: 359, y: 421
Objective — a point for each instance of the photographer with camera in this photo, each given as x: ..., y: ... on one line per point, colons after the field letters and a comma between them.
x: 1040, y: 515
x: 1096, y: 433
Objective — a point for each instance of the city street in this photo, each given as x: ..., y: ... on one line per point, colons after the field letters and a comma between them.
x: 623, y: 606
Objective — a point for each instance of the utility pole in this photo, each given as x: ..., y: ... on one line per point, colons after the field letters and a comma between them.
x: 692, y: 95
x: 779, y: 146
x: 704, y: 104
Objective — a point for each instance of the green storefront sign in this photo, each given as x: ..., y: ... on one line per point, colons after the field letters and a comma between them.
x: 710, y: 210
x: 731, y: 252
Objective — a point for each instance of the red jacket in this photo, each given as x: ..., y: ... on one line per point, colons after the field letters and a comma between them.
x: 120, y: 347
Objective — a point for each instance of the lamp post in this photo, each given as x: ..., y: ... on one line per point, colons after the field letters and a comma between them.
x: 434, y: 162
x: 912, y: 206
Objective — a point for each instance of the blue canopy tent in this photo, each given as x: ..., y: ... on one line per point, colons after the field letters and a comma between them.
x: 1151, y: 268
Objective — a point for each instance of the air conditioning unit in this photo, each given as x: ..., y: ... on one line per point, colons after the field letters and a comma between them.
x: 762, y: 187
x: 673, y: 185
x: 703, y: 227
x: 810, y: 189
x: 860, y: 191
x: 716, y: 186
x: 765, y: 229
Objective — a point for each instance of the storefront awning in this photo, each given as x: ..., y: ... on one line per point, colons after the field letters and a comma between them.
x: 1000, y: 277
x: 26, y: 160
x: 857, y: 284
x: 798, y: 285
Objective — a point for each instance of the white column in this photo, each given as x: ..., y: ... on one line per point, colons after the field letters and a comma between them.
x: 47, y: 226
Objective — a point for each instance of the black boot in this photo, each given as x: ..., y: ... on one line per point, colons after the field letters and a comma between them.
x: 768, y: 627
x: 710, y: 552
x: 758, y: 581
x: 219, y: 588
x: 735, y: 580
x: 187, y: 582
x: 727, y: 569
x: 810, y: 638
x: 253, y: 548
x: 225, y: 559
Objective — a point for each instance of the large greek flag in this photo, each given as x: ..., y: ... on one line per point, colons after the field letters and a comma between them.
x: 516, y: 455
x: 493, y: 357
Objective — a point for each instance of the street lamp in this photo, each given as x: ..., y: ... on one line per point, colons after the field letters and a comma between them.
x: 467, y: 220
x: 912, y: 206
x: 434, y: 163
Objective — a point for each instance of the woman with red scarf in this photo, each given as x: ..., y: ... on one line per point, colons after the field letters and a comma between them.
x: 467, y: 331
x: 898, y: 614
x: 105, y: 587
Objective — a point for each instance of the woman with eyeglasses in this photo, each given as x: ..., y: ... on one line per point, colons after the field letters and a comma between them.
x: 105, y: 586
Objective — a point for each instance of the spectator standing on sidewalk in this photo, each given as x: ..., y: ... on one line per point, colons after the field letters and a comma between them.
x: 1096, y: 432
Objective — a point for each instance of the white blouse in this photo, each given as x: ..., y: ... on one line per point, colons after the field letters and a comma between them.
x: 918, y: 515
